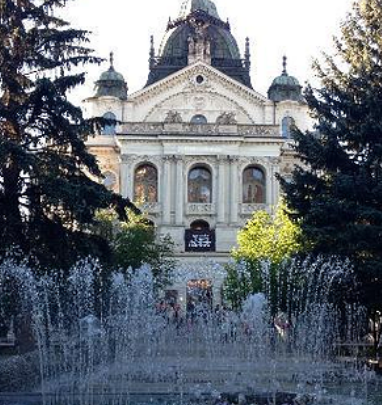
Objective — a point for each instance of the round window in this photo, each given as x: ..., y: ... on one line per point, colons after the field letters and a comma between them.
x: 199, y: 79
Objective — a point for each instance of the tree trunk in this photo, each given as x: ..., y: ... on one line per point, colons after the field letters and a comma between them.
x: 12, y: 190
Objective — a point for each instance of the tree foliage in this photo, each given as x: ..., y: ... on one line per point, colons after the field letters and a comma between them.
x: 337, y: 194
x: 47, y: 199
x: 271, y: 239
x: 135, y: 243
x: 268, y: 237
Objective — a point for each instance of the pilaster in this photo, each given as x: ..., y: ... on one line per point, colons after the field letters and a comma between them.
x: 275, y: 183
x: 126, y: 178
x: 221, y: 200
x: 234, y: 189
x: 269, y: 185
x: 180, y: 196
x: 166, y: 189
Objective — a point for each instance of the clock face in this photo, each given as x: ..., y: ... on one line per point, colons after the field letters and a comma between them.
x: 110, y: 180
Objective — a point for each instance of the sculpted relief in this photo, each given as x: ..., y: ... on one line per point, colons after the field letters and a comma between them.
x: 217, y: 109
x: 173, y: 117
x: 227, y: 118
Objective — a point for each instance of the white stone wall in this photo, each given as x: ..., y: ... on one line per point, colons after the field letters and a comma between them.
x: 173, y: 149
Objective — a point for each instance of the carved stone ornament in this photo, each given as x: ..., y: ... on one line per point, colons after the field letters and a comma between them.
x: 249, y: 209
x: 255, y: 131
x: 200, y: 209
x: 226, y: 118
x: 152, y: 208
x: 173, y: 117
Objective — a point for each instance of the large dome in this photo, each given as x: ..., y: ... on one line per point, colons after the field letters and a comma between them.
x: 223, y: 44
x: 174, y: 50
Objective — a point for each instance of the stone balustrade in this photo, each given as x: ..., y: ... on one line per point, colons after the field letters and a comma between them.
x: 150, y: 208
x: 249, y: 209
x: 200, y: 209
x: 246, y: 131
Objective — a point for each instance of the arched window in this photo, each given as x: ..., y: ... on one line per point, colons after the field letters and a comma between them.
x: 146, y: 184
x: 286, y: 126
x: 199, y: 185
x: 109, y: 129
x: 200, y: 225
x: 199, y: 119
x: 254, y: 186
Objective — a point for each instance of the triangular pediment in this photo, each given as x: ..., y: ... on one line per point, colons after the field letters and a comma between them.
x: 198, y: 89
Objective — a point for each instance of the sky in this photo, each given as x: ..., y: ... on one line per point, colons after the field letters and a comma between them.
x: 299, y: 29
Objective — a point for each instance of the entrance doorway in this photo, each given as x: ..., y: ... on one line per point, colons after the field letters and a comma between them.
x: 199, y: 296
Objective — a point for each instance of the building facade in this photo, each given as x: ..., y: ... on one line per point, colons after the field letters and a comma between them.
x: 197, y: 148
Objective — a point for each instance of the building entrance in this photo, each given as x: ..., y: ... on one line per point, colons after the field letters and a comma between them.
x: 199, y: 296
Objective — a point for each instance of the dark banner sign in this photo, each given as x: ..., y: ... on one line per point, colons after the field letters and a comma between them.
x: 200, y: 241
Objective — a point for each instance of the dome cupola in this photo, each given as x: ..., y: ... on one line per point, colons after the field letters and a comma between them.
x: 111, y: 83
x: 189, y: 6
x: 199, y: 34
x: 285, y: 87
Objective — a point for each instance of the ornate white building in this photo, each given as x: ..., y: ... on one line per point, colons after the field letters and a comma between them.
x: 198, y: 148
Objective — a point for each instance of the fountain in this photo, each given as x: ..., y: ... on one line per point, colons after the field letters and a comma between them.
x: 101, y: 345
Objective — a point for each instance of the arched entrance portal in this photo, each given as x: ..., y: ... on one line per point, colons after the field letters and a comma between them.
x: 199, y: 297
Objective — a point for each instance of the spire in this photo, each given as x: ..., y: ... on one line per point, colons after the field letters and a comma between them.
x: 247, y: 55
x: 111, y: 59
x: 285, y: 66
x: 152, y: 52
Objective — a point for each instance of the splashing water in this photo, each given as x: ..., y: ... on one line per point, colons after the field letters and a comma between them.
x: 112, y: 344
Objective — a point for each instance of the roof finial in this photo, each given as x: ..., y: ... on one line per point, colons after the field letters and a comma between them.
x: 247, y: 55
x: 111, y: 60
x: 285, y: 65
x: 152, y: 52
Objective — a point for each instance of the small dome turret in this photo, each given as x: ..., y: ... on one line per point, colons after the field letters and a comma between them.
x: 111, y: 83
x: 285, y: 87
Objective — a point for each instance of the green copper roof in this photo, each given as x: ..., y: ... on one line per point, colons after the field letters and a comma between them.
x: 112, y: 75
x: 190, y: 6
x: 285, y: 80
x: 285, y: 87
x: 111, y: 83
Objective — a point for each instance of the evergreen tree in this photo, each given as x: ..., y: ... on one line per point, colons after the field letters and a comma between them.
x: 47, y: 199
x: 337, y: 194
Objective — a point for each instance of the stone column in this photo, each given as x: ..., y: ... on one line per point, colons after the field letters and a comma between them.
x: 221, y: 200
x: 234, y: 190
x: 179, y: 202
x: 275, y: 183
x: 166, y: 190
x: 269, y: 184
x: 126, y: 178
